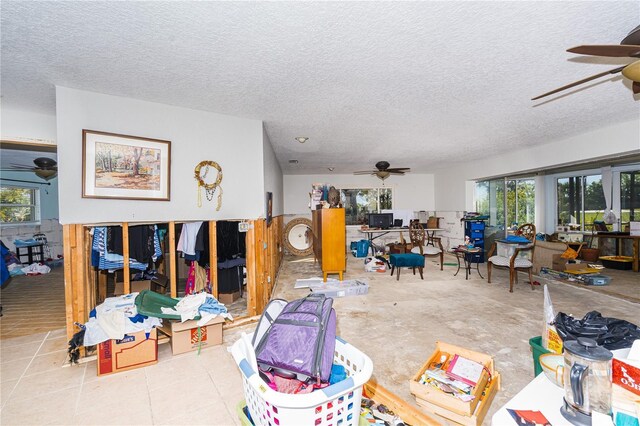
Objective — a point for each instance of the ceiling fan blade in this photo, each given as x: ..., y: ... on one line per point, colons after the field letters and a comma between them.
x: 614, y: 50
x: 369, y: 172
x: 18, y: 170
x: 633, y: 37
x: 21, y: 166
x: 636, y: 87
x: 399, y: 169
x: 579, y: 82
x: 392, y: 172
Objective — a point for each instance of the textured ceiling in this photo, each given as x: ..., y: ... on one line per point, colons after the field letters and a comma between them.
x: 421, y: 84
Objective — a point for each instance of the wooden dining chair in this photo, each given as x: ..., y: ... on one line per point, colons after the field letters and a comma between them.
x: 516, y: 262
x: 418, y: 238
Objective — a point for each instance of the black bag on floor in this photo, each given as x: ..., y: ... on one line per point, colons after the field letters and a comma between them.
x: 611, y: 333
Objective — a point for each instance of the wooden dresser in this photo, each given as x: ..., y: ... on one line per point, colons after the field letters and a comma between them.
x: 330, y: 240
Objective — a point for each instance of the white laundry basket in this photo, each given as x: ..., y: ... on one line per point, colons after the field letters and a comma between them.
x: 335, y: 405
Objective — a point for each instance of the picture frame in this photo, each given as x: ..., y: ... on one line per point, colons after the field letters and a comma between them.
x: 269, y: 207
x: 125, y: 167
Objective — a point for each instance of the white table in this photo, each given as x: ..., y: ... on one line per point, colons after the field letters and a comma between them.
x: 372, y: 234
x: 539, y: 395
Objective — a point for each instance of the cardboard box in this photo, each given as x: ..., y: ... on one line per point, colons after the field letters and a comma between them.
x: 479, y: 414
x: 433, y: 396
x: 558, y: 263
x: 133, y: 351
x: 187, y: 336
x: 228, y: 298
x: 158, y: 284
x: 574, y: 266
x: 626, y: 375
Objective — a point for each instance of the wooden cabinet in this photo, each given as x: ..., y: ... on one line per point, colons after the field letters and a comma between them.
x: 330, y: 240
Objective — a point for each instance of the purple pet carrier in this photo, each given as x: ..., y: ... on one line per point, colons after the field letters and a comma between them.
x: 301, y: 341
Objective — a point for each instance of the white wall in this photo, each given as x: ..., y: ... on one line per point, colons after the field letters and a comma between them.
x: 451, y: 191
x: 16, y: 125
x: 272, y: 175
x: 236, y: 144
x: 411, y: 191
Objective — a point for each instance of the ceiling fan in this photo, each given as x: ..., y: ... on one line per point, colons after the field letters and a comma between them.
x: 45, y: 168
x: 384, y: 171
x: 628, y: 47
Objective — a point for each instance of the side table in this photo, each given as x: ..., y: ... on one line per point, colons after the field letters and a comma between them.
x: 467, y: 257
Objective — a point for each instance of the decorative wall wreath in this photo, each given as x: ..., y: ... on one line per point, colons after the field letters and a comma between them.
x: 200, y: 173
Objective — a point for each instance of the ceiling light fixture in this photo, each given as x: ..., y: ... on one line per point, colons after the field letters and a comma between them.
x: 46, y: 174
x: 301, y: 139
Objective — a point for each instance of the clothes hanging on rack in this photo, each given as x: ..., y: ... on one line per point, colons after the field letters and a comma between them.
x: 230, y: 241
x: 188, y: 236
x: 142, y: 242
x: 102, y: 259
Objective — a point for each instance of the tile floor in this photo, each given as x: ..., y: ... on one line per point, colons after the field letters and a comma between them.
x: 37, y: 387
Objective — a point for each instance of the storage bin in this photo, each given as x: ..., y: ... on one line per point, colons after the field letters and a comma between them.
x: 597, y: 279
x: 333, y: 405
x: 432, y: 396
x: 507, y: 250
x: 617, y: 262
x: 536, y: 350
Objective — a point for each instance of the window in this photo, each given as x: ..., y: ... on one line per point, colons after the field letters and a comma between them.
x: 358, y: 203
x: 521, y: 194
x: 19, y: 205
x: 580, y: 201
x: 630, y: 196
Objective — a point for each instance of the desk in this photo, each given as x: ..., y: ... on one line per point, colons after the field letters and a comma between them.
x: 372, y: 234
x: 624, y: 236
x: 30, y: 251
x: 467, y: 258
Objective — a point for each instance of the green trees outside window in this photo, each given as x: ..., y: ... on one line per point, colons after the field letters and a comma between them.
x: 18, y: 204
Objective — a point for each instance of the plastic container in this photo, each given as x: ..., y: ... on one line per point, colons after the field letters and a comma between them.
x: 343, y: 288
x: 617, y: 262
x: 537, y: 349
x: 597, y: 279
x: 335, y: 404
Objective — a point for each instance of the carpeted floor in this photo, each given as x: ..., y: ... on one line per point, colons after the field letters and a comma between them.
x: 32, y: 304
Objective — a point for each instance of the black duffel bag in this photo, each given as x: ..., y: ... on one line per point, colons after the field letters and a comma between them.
x: 612, y: 333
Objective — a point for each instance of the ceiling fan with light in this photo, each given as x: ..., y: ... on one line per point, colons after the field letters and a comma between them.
x: 45, y: 168
x: 383, y: 171
x: 628, y: 47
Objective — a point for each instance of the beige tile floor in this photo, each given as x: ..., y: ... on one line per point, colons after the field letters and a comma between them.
x: 38, y: 387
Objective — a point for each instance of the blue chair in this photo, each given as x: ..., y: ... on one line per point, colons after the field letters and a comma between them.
x: 410, y: 260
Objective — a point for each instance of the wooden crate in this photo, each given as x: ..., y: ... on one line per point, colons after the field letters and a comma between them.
x: 408, y: 413
x: 481, y: 410
x: 435, y: 396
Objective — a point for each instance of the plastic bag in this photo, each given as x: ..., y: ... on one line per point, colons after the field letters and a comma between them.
x: 611, y: 333
x: 550, y: 339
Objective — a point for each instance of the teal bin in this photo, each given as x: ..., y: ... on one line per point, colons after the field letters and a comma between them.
x: 537, y: 349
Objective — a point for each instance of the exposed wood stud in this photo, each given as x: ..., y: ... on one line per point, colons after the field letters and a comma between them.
x: 213, y: 258
x: 173, y: 276
x: 125, y: 254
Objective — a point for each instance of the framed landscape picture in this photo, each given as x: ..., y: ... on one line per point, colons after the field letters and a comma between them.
x: 125, y: 167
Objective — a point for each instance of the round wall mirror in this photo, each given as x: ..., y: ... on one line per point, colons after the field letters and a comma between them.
x: 298, y: 237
